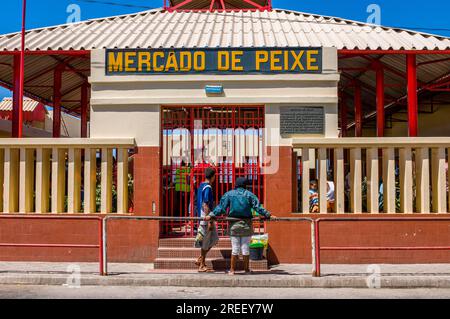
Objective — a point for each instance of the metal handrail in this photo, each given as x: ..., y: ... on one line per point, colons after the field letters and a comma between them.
x: 318, y: 248
x: 104, y: 271
x: 59, y: 217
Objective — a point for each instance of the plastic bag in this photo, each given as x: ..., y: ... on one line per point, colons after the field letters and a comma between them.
x: 260, y: 239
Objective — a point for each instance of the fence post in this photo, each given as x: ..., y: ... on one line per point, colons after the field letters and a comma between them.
x: 104, y: 247
x: 101, y: 246
x: 316, y: 272
x: 313, y: 246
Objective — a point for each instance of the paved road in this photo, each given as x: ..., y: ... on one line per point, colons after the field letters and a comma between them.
x: 47, y: 292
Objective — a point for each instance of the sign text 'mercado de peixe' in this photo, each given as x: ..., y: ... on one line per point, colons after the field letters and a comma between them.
x: 214, y: 61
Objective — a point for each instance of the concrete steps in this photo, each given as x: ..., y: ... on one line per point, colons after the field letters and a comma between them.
x: 183, y: 252
x: 189, y: 243
x: 214, y: 263
x: 180, y: 254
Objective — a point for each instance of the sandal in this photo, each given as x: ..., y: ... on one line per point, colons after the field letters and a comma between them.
x: 205, y: 269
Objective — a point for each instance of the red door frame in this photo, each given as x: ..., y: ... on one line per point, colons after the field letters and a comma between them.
x: 240, y: 110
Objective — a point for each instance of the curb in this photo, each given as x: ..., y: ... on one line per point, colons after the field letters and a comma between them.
x: 222, y: 281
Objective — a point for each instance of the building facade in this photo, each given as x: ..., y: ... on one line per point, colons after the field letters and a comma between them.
x: 272, y: 95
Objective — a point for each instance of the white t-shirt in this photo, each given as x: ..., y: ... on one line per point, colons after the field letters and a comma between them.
x: 330, y: 192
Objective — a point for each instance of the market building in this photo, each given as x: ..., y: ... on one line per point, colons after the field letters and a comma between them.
x: 278, y: 96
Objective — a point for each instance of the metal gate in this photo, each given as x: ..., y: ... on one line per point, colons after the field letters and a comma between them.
x: 227, y: 138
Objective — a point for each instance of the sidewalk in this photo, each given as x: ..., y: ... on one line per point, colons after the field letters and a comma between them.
x: 281, y: 276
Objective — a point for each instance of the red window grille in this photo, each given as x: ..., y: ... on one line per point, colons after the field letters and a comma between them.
x: 227, y: 138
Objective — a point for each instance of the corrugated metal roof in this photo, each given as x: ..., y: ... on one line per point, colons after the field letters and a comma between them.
x: 188, y: 29
x: 40, y: 87
x: 29, y: 105
x: 394, y: 75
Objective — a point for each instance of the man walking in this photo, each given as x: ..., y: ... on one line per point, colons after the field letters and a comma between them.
x: 206, y: 234
x: 240, y: 204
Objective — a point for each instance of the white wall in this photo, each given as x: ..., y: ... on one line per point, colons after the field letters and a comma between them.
x: 141, y: 122
x: 71, y: 123
x: 28, y: 131
x: 430, y: 124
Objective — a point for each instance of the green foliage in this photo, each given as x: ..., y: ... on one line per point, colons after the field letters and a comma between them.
x: 98, y: 198
x: 380, y: 196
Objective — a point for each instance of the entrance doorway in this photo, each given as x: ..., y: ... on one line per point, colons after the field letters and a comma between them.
x: 228, y: 138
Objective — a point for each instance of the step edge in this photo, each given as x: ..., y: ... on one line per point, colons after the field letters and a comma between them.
x: 192, y: 248
x: 191, y: 239
x: 193, y: 259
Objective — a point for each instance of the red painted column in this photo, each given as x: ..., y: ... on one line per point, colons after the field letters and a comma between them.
x: 280, y: 198
x: 19, y: 76
x: 358, y: 110
x: 412, y: 95
x: 380, y: 100
x: 147, y: 197
x: 211, y: 6
x: 343, y: 113
x: 84, y: 109
x: 17, y: 113
x: 57, y: 97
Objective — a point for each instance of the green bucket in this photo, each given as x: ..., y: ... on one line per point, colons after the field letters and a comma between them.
x: 256, y: 251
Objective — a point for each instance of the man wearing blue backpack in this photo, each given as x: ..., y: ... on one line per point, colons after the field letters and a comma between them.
x: 239, y: 203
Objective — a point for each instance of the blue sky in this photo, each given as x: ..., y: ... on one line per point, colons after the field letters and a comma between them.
x: 432, y: 15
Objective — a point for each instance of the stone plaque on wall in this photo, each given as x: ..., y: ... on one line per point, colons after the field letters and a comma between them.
x: 302, y: 120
